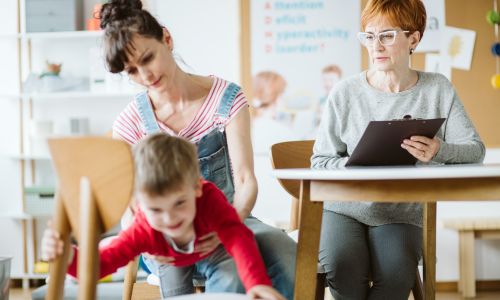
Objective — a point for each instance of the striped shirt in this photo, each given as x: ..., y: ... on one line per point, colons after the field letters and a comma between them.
x: 129, y: 127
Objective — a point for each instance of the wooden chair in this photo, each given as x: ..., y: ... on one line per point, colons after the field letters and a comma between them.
x: 297, y: 154
x: 95, y: 186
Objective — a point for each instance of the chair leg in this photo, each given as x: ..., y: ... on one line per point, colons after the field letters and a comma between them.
x: 130, y: 277
x: 429, y: 250
x: 418, y: 288
x: 320, y: 286
x: 468, y: 275
x: 58, y: 267
x: 90, y: 230
x: 294, y: 215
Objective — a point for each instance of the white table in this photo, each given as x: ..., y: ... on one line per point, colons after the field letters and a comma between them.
x: 426, y: 184
x: 208, y: 296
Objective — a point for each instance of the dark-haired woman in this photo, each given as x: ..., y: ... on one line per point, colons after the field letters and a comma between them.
x: 208, y: 111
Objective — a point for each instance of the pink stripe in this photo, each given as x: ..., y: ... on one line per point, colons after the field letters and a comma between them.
x: 209, y: 120
x: 236, y: 109
x: 207, y: 107
x: 200, y: 135
x: 240, y: 99
x: 124, y: 136
x: 124, y: 128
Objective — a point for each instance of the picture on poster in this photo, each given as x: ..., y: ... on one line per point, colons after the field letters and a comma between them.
x: 299, y: 51
x: 458, y: 45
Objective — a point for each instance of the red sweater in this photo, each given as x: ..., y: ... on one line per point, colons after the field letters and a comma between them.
x: 213, y: 214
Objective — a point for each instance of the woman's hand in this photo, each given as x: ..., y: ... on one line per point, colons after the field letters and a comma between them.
x: 422, y: 148
x: 207, y: 243
x: 264, y: 292
x: 52, y: 245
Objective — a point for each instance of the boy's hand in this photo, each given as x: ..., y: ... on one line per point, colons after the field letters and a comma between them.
x: 207, y: 243
x: 264, y: 292
x: 52, y: 245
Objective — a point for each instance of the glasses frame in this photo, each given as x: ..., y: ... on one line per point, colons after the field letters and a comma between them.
x: 377, y: 35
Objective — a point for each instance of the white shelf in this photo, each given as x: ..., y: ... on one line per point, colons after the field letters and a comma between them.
x: 29, y: 157
x: 53, y: 35
x: 22, y: 215
x: 29, y: 276
x: 10, y: 95
x: 70, y: 95
x: 16, y: 215
x: 9, y: 35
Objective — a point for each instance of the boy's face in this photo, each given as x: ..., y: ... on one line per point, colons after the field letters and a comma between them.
x: 173, y: 212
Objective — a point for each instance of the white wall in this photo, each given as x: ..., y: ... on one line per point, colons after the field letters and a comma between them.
x: 206, y: 34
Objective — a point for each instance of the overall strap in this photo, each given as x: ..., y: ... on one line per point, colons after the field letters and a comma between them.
x: 146, y: 113
x: 226, y: 103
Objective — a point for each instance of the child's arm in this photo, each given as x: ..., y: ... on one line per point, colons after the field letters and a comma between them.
x: 112, y: 256
x: 238, y: 241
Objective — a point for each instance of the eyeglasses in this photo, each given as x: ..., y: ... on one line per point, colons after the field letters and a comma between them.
x: 385, y: 38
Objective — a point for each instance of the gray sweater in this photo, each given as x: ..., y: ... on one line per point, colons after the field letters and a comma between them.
x: 353, y: 103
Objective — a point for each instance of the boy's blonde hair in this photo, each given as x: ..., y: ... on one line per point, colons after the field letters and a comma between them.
x: 165, y: 163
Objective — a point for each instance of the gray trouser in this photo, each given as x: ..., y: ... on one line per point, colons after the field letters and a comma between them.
x: 353, y: 254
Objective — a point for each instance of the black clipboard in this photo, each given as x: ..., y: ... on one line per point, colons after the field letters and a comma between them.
x: 381, y: 142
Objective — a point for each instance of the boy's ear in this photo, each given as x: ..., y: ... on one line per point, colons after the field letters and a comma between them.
x: 199, y: 187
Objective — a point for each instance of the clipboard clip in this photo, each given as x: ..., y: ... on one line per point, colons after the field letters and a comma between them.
x: 407, y: 118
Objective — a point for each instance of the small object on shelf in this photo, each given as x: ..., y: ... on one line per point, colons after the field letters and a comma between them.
x: 94, y: 22
x: 97, y: 70
x: 40, y: 200
x: 51, y: 69
x: 41, y: 267
x: 79, y: 126
x: 49, y: 15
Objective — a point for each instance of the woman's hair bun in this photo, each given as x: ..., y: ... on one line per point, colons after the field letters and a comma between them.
x: 117, y: 10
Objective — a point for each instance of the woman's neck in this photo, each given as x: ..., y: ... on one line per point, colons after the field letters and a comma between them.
x: 393, y: 81
x: 179, y: 88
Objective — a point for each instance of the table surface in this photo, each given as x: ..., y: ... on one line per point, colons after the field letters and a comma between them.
x: 392, y: 172
x: 209, y: 296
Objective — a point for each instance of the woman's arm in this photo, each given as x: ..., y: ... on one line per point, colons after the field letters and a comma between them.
x: 241, y: 155
x: 461, y: 142
x: 329, y: 150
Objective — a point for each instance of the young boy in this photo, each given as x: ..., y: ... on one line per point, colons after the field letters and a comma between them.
x: 176, y: 207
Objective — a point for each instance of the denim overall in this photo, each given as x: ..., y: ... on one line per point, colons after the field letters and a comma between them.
x: 212, y: 149
x: 277, y: 250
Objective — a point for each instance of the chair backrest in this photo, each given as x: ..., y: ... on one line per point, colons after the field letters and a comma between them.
x: 289, y: 155
x: 108, y: 165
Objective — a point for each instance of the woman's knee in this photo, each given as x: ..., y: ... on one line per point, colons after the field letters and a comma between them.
x: 274, y: 244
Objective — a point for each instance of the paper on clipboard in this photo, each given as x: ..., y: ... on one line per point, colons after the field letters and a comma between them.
x: 380, y: 144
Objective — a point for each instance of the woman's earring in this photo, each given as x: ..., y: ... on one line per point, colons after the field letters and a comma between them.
x: 411, y: 51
